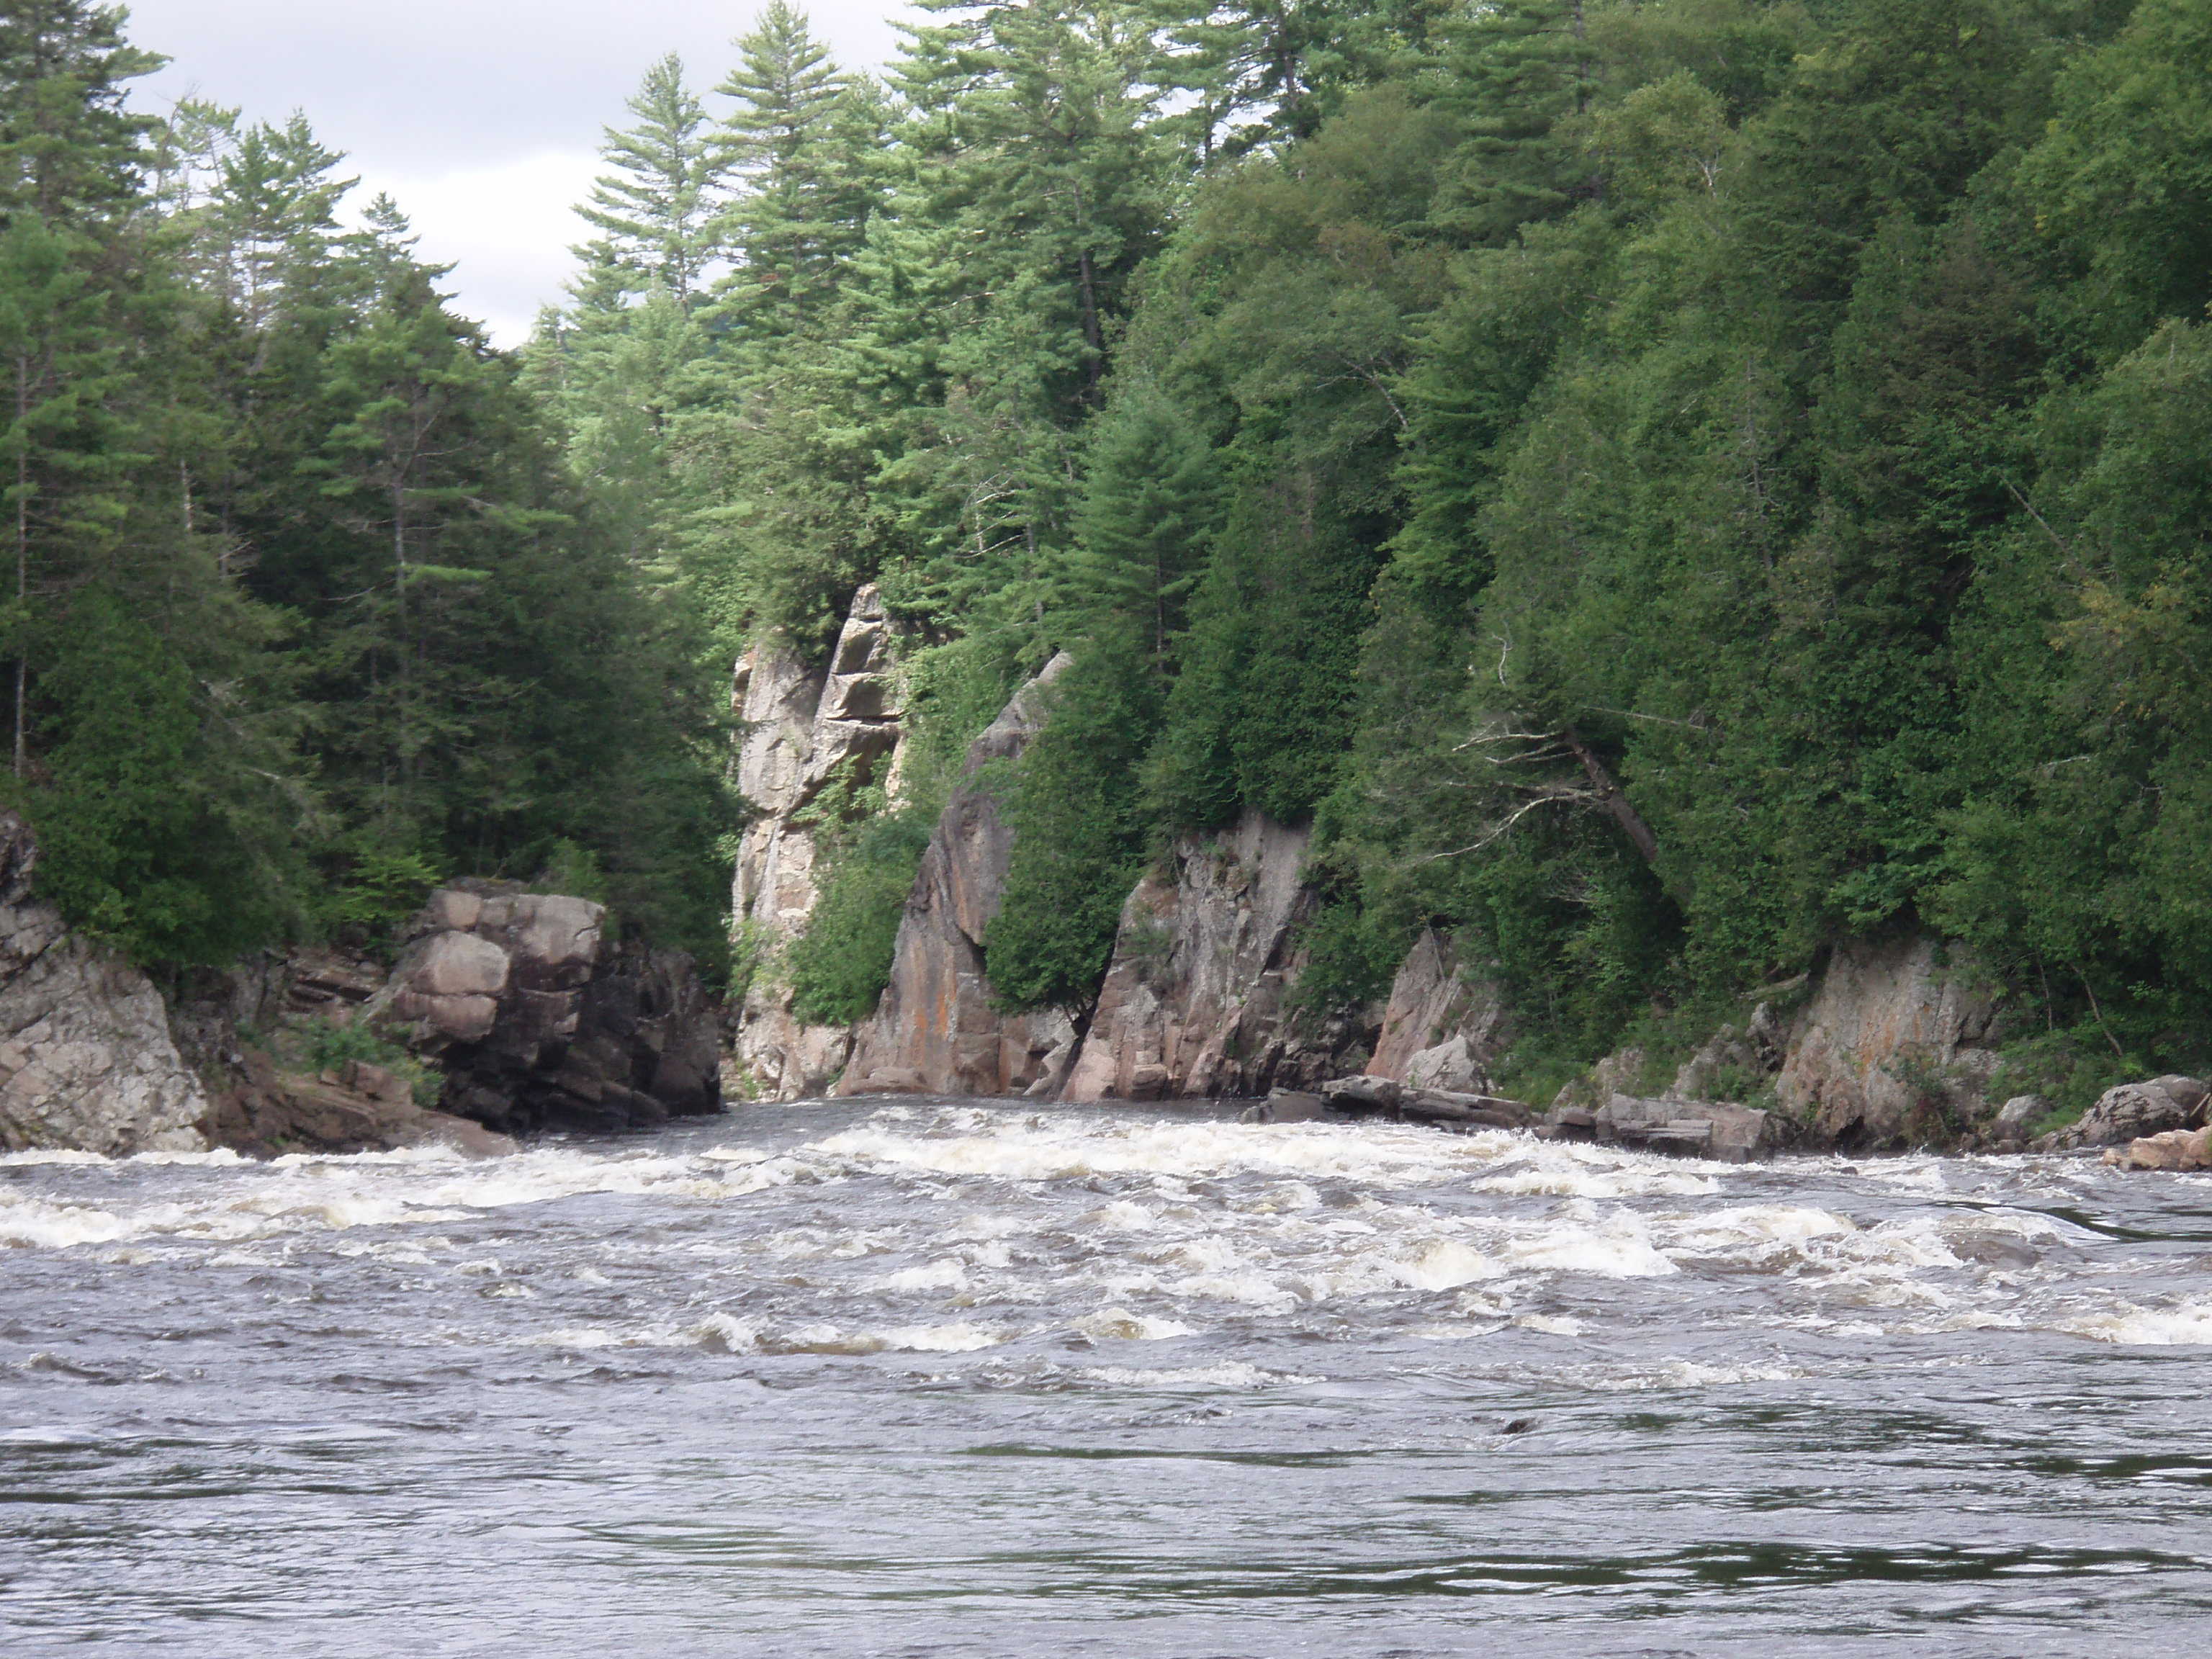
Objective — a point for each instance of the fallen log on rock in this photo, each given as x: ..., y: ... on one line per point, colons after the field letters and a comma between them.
x: 1694, y: 1129
x: 1477, y: 1111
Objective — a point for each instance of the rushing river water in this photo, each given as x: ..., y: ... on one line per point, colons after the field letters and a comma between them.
x: 947, y: 1378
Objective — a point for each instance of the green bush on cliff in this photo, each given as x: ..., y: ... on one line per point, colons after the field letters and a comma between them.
x: 1078, y: 835
x: 838, y: 966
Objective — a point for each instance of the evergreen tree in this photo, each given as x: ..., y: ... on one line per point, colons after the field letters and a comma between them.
x: 796, y: 214
x: 657, y: 211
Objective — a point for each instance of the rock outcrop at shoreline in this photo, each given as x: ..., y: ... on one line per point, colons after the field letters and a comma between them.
x: 1194, y: 1003
x: 2134, y: 1111
x: 806, y: 730
x: 935, y: 1031
x: 538, y: 1021
x: 1443, y: 1027
x: 1889, y: 1039
x: 87, y: 1060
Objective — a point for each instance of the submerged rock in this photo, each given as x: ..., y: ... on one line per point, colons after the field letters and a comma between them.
x: 936, y: 1029
x: 87, y: 1058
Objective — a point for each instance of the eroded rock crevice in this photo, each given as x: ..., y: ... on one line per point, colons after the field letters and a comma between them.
x: 807, y: 730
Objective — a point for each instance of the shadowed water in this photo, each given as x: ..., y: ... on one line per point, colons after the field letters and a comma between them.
x: 944, y: 1378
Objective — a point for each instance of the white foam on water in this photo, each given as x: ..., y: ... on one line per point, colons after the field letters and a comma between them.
x: 2189, y: 1325
x: 1446, y: 1265
x: 1674, y: 1373
x: 720, y: 1333
x: 1231, y: 1374
x: 1120, y: 1217
x: 1574, y: 1171
x: 32, y: 1222
x: 1620, y: 1248
x: 1068, y: 1148
x: 1120, y: 1325
x: 1551, y: 1324
x: 927, y: 1276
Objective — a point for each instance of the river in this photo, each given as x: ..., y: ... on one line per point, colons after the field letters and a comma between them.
x: 939, y: 1378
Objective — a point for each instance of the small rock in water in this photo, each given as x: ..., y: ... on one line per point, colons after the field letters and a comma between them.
x: 1519, y: 1425
x: 1286, y: 1106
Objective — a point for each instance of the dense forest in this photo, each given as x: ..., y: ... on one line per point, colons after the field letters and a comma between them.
x: 1662, y: 485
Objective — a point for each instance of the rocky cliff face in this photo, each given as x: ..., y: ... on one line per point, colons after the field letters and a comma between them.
x: 87, y: 1060
x: 1443, y: 1026
x: 935, y: 1031
x: 1193, y: 1003
x: 539, y: 1022
x: 1891, y: 1047
x: 806, y: 730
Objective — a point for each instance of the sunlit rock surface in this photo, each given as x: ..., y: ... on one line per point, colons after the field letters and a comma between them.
x: 87, y: 1060
x: 935, y: 1031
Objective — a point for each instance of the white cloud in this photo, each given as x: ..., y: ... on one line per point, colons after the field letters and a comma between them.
x: 481, y: 118
x: 505, y: 226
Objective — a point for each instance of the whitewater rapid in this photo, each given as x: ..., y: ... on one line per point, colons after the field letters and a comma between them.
x: 950, y: 1378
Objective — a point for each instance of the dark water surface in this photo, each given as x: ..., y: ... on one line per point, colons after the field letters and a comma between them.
x: 943, y: 1378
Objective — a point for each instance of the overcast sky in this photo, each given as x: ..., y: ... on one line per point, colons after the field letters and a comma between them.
x: 481, y: 116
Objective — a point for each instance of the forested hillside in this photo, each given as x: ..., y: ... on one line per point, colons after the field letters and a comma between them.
x: 1663, y: 485
x: 303, y: 610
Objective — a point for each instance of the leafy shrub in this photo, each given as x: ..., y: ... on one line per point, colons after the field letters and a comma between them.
x: 838, y: 966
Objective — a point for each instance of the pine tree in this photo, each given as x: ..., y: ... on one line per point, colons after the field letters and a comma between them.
x: 658, y: 210
x: 1517, y: 69
x: 793, y: 217
x: 70, y: 161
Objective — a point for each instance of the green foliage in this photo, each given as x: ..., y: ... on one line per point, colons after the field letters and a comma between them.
x: 380, y: 886
x: 146, y: 840
x: 1352, y: 955
x: 571, y: 867
x: 1078, y: 834
x: 326, y: 1046
x: 1663, y: 486
x: 838, y: 966
x: 299, y: 605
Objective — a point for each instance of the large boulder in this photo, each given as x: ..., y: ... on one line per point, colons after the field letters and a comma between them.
x: 87, y: 1058
x: 1194, y: 1000
x: 2171, y: 1149
x: 937, y: 1029
x: 807, y: 729
x: 2133, y: 1111
x: 538, y: 1022
x: 1893, y: 1047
